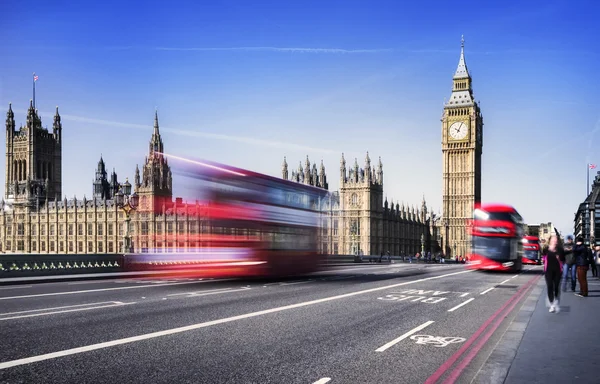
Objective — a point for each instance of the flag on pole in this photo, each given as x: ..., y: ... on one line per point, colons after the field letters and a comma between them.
x: 592, y: 166
x: 35, y: 77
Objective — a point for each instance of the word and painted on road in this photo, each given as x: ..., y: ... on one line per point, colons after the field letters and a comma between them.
x: 436, y: 341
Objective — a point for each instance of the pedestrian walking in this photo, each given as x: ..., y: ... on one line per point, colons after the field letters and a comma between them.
x: 581, y: 260
x: 552, y: 272
x: 570, y: 269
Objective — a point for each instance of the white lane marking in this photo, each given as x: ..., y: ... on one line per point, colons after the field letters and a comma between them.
x: 63, y: 307
x: 461, y: 304
x: 358, y: 269
x: 486, y: 291
x: 514, y: 276
x: 106, y: 289
x: 66, y: 311
x: 505, y: 281
x: 323, y: 380
x: 93, y: 282
x: 407, y: 334
x: 192, y: 293
x: 17, y: 287
x: 93, y: 347
x: 464, y: 294
x: 298, y: 282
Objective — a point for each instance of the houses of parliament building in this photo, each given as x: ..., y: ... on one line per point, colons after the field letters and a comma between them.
x: 34, y: 218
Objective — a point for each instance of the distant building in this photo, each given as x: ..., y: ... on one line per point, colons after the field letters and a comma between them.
x: 532, y: 230
x: 543, y: 231
x: 587, y: 217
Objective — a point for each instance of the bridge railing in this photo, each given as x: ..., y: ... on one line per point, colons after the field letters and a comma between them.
x: 67, y: 264
x: 58, y: 264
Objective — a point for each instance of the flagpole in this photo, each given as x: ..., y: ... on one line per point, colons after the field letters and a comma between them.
x: 33, y: 90
x: 588, y: 180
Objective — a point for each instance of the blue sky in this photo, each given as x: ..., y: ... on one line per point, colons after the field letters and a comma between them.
x: 247, y: 83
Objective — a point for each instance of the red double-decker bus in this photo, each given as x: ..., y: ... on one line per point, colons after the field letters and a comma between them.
x: 532, y: 250
x: 497, y: 238
x: 256, y: 225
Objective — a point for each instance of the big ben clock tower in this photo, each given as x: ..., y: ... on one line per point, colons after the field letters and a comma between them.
x: 462, y: 143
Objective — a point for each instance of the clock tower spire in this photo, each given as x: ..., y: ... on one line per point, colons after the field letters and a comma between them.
x: 462, y: 144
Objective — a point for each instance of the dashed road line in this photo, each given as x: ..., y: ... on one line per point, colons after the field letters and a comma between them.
x: 461, y: 304
x: 64, y: 309
x: 323, y: 380
x: 486, y: 291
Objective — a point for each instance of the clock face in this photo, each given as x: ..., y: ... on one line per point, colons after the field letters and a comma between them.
x: 458, y: 130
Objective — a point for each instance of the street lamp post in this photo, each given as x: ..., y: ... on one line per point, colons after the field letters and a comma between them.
x: 447, y: 240
x: 422, y: 244
x: 128, y: 202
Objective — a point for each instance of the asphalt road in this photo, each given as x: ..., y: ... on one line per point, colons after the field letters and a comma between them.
x: 398, y: 323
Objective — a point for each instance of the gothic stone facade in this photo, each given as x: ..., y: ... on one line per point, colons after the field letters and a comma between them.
x: 357, y: 220
x: 462, y: 143
x: 34, y: 218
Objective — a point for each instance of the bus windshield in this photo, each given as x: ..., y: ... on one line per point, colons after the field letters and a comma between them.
x: 531, y: 254
x: 496, y: 248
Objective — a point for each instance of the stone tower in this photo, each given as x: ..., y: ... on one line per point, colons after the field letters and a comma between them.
x: 103, y: 187
x: 361, y: 204
x: 462, y: 143
x: 155, y: 185
x: 33, y: 170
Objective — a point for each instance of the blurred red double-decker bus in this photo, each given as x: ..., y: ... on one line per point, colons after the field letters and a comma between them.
x: 497, y: 238
x: 256, y: 225
x: 532, y: 250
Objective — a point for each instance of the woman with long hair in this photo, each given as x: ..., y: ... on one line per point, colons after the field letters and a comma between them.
x: 553, y: 264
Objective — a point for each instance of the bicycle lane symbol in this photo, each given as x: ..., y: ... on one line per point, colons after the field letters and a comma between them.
x: 436, y: 341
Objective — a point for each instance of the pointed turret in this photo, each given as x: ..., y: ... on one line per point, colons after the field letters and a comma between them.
x: 368, y: 171
x: 343, y: 169
x: 10, y: 121
x: 380, y: 172
x: 284, y: 169
x: 57, y: 125
x: 323, y: 176
x: 461, y: 71
x: 156, y: 144
x: 462, y: 92
x: 136, y: 179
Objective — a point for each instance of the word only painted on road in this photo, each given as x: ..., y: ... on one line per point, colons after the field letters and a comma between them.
x: 416, y: 295
x: 436, y: 341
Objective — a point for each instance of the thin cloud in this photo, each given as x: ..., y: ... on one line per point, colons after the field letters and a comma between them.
x: 198, y: 134
x: 275, y: 49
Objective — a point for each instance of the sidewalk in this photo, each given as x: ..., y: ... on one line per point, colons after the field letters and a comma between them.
x: 555, y: 347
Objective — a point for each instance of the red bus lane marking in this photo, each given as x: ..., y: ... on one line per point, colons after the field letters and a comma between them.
x: 448, y: 364
x: 463, y: 364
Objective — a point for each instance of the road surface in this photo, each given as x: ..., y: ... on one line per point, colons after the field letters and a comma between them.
x: 398, y: 323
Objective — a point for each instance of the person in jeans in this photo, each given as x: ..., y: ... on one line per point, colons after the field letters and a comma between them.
x: 580, y: 251
x: 570, y: 269
x: 552, y: 272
